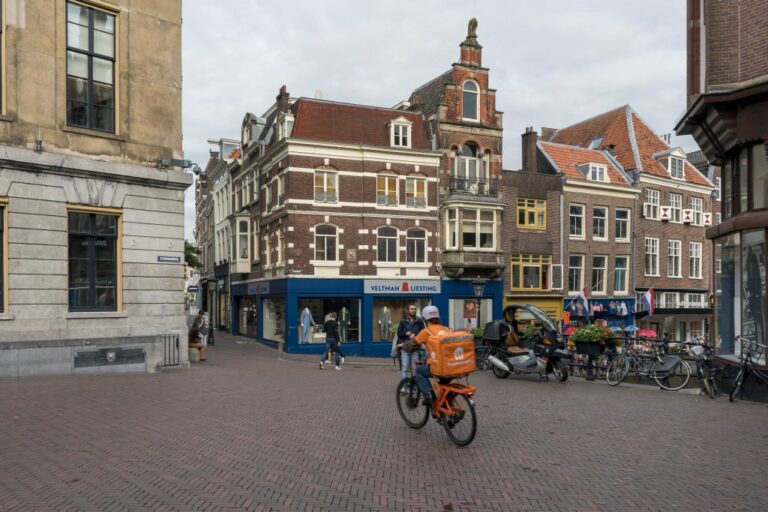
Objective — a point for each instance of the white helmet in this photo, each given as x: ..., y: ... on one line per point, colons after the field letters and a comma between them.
x: 430, y: 312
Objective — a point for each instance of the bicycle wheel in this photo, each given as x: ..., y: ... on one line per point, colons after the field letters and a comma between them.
x: 738, y: 382
x: 617, y: 371
x: 560, y: 371
x: 461, y: 426
x: 409, y: 405
x: 674, y: 378
x: 709, y: 381
x: 481, y: 356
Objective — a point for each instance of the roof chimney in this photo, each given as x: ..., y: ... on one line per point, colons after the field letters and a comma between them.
x: 282, y: 100
x: 530, y: 138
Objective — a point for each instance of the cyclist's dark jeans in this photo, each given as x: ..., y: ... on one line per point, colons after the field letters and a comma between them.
x: 422, y: 376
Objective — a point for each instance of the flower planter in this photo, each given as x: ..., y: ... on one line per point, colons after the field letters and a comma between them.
x: 589, y: 348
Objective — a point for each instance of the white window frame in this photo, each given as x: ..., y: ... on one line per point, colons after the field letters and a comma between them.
x: 717, y: 189
x: 626, y: 222
x: 410, y: 240
x: 412, y: 185
x: 597, y: 173
x: 652, y: 257
x: 697, y: 206
x: 581, y: 216
x: 673, y: 172
x: 602, y: 277
x: 389, y: 240
x: 596, y: 219
x: 695, y: 250
x: 580, y: 269
x: 399, y: 131
x: 476, y: 92
x: 391, y: 184
x: 652, y: 203
x: 624, y: 270
x: 452, y: 230
x: 675, y: 208
x: 479, y: 223
x: 326, y: 174
x: 674, y: 258
x: 317, y: 237
x: 240, y: 233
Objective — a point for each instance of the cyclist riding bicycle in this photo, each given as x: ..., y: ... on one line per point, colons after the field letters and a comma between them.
x: 431, y: 316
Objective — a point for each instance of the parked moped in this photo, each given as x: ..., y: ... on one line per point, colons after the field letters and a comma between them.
x: 540, y: 350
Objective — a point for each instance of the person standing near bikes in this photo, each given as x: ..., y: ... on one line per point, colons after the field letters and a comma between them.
x: 331, y: 327
x: 431, y: 316
x: 407, y: 347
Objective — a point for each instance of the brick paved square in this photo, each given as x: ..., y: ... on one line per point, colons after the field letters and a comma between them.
x: 246, y: 431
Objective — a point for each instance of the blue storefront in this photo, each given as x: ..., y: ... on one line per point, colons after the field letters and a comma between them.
x: 289, y: 311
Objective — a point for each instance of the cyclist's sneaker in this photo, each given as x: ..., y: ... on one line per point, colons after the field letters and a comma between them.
x: 338, y: 367
x: 327, y: 361
x: 428, y: 398
x: 404, y: 390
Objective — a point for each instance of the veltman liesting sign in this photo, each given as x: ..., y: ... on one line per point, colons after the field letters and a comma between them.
x: 397, y: 287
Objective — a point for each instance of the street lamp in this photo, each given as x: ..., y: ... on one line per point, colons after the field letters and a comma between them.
x: 478, y: 285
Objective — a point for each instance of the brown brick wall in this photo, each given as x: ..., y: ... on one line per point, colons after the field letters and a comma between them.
x: 737, y: 46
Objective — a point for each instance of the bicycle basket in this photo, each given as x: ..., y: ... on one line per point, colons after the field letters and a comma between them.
x: 752, y: 349
x: 696, y: 351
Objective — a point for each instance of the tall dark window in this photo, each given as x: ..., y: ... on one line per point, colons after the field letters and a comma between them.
x: 2, y: 259
x: 90, y: 68
x: 470, y: 103
x: 92, y: 262
x: 386, y: 246
x: 415, y: 245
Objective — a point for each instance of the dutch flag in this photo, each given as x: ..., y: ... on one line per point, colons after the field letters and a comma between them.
x: 648, y: 301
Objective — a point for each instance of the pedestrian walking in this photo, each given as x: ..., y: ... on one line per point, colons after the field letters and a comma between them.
x: 406, y: 348
x: 331, y: 327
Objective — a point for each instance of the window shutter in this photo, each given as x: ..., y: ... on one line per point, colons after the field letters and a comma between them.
x: 556, y: 277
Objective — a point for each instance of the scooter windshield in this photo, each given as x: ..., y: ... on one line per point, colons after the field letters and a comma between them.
x: 542, y: 317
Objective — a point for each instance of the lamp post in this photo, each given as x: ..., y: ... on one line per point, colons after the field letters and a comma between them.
x: 478, y: 285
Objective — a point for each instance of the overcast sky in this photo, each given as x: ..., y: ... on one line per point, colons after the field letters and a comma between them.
x: 553, y: 63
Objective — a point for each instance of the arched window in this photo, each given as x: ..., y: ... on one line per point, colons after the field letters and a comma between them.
x: 470, y: 101
x: 386, y: 244
x: 468, y: 164
x: 415, y: 245
x: 325, y: 242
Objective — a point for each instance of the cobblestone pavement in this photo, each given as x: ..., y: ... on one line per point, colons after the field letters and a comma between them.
x: 246, y: 431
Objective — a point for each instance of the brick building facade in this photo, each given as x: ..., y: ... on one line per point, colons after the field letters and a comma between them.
x: 728, y: 116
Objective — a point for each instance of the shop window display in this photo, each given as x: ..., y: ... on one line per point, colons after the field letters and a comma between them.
x: 315, y: 311
x: 274, y: 319
x: 249, y: 317
x: 753, y: 292
x: 728, y: 312
x: 463, y: 313
x: 387, y: 314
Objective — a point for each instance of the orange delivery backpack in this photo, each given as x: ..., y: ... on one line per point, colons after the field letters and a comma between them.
x: 450, y: 353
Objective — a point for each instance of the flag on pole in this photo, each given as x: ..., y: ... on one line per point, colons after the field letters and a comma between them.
x: 648, y: 301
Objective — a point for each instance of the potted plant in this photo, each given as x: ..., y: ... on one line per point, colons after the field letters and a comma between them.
x: 593, y: 339
x: 478, y: 332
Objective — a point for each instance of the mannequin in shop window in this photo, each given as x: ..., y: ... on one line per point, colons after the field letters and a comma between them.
x: 385, y: 318
x: 306, y: 321
x: 344, y: 320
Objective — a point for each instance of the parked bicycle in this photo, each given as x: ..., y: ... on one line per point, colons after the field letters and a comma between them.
x: 751, y: 352
x: 453, y: 407
x: 671, y: 372
x: 705, y: 370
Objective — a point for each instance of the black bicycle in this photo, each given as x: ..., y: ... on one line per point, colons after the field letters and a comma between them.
x: 751, y: 352
x: 705, y: 370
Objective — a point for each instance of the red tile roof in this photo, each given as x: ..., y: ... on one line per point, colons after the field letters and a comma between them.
x: 353, y: 124
x: 567, y: 158
x: 633, y: 141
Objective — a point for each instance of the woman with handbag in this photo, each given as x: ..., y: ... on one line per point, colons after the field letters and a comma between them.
x: 407, y: 346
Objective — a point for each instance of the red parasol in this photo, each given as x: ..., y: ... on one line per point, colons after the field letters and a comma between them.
x: 647, y: 333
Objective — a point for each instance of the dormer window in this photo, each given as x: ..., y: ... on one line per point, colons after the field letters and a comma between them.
x: 470, y: 101
x: 285, y: 129
x: 596, y: 173
x: 400, y: 133
x: 676, y: 167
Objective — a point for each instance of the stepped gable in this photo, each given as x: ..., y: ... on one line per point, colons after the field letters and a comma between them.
x: 567, y: 158
x: 330, y: 121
